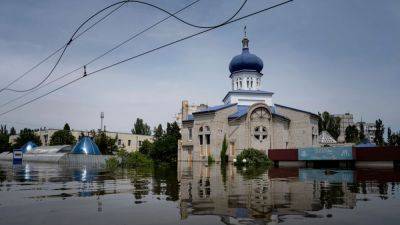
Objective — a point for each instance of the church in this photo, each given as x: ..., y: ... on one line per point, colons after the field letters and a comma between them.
x: 248, y: 118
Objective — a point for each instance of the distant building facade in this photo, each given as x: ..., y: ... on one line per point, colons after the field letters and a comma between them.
x: 248, y: 118
x: 369, y: 130
x: 128, y: 141
x: 187, y: 109
x: 345, y: 121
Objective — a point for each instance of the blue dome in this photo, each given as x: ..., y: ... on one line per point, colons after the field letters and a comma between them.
x: 28, y: 147
x: 246, y: 61
x: 86, y: 146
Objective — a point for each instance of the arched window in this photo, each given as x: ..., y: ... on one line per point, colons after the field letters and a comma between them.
x: 251, y: 82
x: 240, y: 83
x: 201, y: 129
x: 207, y: 128
x: 248, y: 82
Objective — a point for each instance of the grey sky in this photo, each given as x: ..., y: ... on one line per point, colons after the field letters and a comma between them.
x: 337, y: 55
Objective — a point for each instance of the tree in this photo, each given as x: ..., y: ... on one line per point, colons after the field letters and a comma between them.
x: 389, y: 137
x: 63, y: 137
x: 329, y: 123
x: 141, y: 127
x: 4, y: 139
x: 224, y: 157
x: 26, y: 135
x: 352, y: 135
x: 146, y: 147
x: 66, y: 127
x: 361, y: 134
x: 107, y: 145
x: 165, y: 148
x: 12, y: 131
x: 379, y: 130
x: 158, y: 132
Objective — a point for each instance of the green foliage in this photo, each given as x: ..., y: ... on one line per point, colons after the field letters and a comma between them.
x: 252, y: 172
x: 361, y: 134
x: 63, y: 137
x: 128, y: 160
x: 329, y: 123
x: 146, y: 147
x: 393, y: 138
x: 66, y: 127
x: 223, y: 155
x: 165, y: 148
x: 380, y: 129
x: 351, y: 134
x: 141, y: 127
x: 210, y: 159
x: 26, y: 135
x: 107, y: 145
x: 13, y: 131
x: 112, y: 164
x: 4, y: 139
x: 158, y: 132
x: 253, y: 157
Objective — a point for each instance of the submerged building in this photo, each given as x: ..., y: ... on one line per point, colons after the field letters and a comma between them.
x: 248, y: 118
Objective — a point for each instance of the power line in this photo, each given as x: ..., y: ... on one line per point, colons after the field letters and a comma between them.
x: 102, y: 10
x: 102, y: 55
x: 57, y: 50
x: 145, y: 53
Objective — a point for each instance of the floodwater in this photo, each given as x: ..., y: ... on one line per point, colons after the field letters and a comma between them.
x: 197, y: 194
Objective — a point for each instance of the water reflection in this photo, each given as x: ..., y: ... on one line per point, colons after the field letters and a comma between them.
x: 192, y: 193
x: 243, y: 197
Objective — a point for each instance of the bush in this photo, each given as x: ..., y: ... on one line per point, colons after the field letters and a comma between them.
x: 224, y: 157
x: 112, y: 164
x: 252, y: 157
x: 210, y: 159
x: 137, y: 159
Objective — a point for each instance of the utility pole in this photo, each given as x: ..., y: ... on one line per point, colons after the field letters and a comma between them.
x: 101, y: 118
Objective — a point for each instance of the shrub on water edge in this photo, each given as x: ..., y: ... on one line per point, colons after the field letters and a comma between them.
x: 112, y: 164
x: 136, y: 159
x: 211, y: 159
x: 252, y: 157
x: 128, y: 160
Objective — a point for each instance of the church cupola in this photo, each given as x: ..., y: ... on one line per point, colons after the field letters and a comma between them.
x: 246, y: 78
x: 246, y: 68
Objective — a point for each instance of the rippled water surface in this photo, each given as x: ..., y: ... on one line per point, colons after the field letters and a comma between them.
x: 196, y: 194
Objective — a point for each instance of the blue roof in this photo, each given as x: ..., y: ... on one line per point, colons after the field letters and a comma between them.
x: 243, y: 109
x: 86, y: 146
x: 246, y: 61
x: 29, y: 146
x: 214, y: 108
x: 299, y: 110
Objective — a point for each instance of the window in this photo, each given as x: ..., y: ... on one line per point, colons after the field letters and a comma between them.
x: 248, y: 82
x: 240, y: 83
x: 201, y: 139
x: 129, y: 142
x: 119, y: 141
x: 201, y: 129
x: 207, y: 128
x: 251, y: 82
x: 260, y: 133
x: 190, y: 134
x: 208, y: 139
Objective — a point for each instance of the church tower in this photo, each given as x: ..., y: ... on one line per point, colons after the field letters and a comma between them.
x: 246, y: 77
